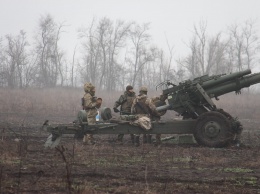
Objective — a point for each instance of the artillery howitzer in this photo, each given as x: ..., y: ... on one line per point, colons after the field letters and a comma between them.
x: 191, y: 99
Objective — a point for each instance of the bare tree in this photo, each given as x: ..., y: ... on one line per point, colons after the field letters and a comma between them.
x: 51, y: 56
x: 216, y: 55
x: 59, y: 54
x: 118, y: 41
x: 16, y: 59
x: 252, y: 44
x: 148, y: 74
x: 207, y: 53
x: 190, y: 62
x: 89, y: 70
x: 201, y: 47
x: 103, y: 44
x: 2, y: 62
x: 17, y: 64
x: 236, y: 45
x: 30, y: 70
x: 140, y: 54
x: 243, y: 44
x: 47, y: 75
x: 73, y: 67
x: 104, y: 33
x: 166, y: 71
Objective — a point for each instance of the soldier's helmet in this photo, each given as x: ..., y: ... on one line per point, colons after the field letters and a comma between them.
x: 88, y: 87
x: 129, y: 87
x: 143, y: 89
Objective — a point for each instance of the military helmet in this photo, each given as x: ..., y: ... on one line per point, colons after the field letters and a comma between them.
x: 88, y: 87
x: 129, y: 87
x: 143, y: 89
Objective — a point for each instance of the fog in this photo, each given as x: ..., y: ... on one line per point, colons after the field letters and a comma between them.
x: 171, y: 31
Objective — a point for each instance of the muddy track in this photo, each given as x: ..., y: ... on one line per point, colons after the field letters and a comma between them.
x: 108, y: 167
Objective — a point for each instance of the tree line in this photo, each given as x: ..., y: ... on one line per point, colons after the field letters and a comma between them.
x: 113, y: 54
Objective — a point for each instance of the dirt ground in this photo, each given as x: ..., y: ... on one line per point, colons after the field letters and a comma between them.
x: 108, y: 167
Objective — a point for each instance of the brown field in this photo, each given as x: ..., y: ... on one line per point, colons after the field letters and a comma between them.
x: 107, y: 167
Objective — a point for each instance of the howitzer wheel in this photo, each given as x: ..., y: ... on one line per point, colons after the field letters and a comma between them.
x: 237, y: 127
x: 213, y: 129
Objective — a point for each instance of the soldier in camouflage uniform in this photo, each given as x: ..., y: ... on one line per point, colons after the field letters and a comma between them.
x: 125, y: 102
x: 158, y: 101
x: 90, y: 104
x: 143, y: 108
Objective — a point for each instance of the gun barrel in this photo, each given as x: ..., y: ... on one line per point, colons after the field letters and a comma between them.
x: 234, y: 85
x: 225, y: 78
x: 163, y: 108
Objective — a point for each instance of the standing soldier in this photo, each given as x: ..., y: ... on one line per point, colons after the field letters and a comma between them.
x: 90, y: 104
x: 125, y: 102
x: 144, y: 109
x: 158, y: 101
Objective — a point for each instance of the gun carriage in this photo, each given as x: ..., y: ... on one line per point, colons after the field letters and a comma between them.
x: 191, y: 99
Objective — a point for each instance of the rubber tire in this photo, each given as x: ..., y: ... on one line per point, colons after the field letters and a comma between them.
x: 223, y: 138
x: 238, y: 128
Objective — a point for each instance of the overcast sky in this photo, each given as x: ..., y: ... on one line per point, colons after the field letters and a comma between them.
x: 173, y: 19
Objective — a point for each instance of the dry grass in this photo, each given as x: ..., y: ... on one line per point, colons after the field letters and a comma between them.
x: 58, y: 102
x: 107, y: 167
x: 53, y: 103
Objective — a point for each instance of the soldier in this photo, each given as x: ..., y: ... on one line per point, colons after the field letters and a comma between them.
x: 90, y: 104
x: 144, y: 109
x: 125, y: 102
x: 158, y: 101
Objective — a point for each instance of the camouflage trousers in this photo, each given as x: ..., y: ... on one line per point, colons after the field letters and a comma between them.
x: 88, y: 138
x: 147, y: 138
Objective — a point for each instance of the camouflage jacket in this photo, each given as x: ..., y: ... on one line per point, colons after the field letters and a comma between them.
x: 144, y: 106
x: 90, y: 105
x: 159, y: 101
x: 125, y: 101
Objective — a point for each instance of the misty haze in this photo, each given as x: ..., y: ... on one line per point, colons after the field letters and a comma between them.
x: 196, y: 64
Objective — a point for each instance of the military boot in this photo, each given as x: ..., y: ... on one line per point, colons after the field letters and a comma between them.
x: 149, y: 138
x: 88, y: 139
x: 120, y: 138
x: 132, y: 138
x: 91, y: 140
x: 137, y: 142
x: 158, y: 140
x: 144, y: 138
x: 85, y: 139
